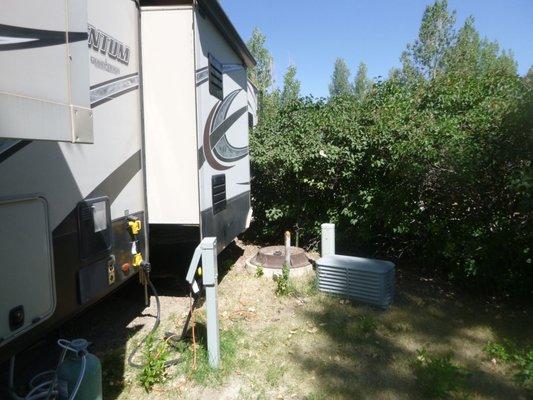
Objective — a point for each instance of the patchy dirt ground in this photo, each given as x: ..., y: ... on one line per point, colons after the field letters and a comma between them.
x: 308, y: 345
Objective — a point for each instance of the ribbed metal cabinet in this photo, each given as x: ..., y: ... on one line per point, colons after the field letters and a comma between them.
x: 366, y: 280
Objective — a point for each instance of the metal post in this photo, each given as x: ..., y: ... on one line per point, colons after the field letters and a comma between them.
x: 288, y: 249
x: 328, y: 240
x: 210, y: 279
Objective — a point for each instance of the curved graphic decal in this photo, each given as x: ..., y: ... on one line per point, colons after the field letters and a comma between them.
x: 8, y: 147
x: 216, y: 147
x: 18, y: 38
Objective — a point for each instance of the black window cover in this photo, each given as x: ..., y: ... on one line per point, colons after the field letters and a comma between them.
x: 215, y: 78
x: 218, y: 190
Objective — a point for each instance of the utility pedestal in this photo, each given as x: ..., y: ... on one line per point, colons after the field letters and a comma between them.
x: 328, y: 240
x: 207, y: 251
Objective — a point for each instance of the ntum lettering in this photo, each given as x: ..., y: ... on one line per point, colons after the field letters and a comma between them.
x: 106, y: 44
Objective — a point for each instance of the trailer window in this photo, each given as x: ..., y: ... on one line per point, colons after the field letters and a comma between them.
x: 215, y: 78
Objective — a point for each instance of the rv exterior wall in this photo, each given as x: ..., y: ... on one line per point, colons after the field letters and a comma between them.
x: 33, y: 44
x: 73, y: 177
x: 170, y: 115
x: 253, y: 106
x: 222, y: 128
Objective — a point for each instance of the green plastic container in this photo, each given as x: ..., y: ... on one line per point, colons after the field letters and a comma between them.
x: 69, y: 371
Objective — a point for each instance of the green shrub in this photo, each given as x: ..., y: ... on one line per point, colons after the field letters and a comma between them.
x: 259, y: 272
x: 155, y: 355
x: 284, y: 285
x: 438, y: 377
x: 434, y: 171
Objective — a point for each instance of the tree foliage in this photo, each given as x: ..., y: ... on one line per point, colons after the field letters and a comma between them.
x: 362, y: 84
x: 291, y: 86
x: 261, y: 75
x: 435, y: 37
x: 432, y: 169
x: 340, y: 80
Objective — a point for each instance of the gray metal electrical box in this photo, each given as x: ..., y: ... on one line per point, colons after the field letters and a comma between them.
x: 367, y: 280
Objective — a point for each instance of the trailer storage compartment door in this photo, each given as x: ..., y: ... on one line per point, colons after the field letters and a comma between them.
x: 44, y: 64
x: 27, y: 295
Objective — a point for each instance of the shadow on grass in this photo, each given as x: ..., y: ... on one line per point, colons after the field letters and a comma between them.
x: 369, y: 353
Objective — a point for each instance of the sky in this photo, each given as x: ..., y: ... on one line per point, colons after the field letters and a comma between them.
x: 312, y: 34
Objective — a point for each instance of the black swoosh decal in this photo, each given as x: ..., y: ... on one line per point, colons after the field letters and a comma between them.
x: 119, y: 178
x: 13, y: 149
x: 110, y: 187
x: 36, y: 37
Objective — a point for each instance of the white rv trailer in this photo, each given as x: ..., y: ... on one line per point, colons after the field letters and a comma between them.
x: 253, y: 104
x: 71, y: 160
x: 197, y: 117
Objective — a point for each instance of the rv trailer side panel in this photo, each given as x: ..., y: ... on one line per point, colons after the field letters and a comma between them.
x: 45, y: 39
x: 253, y: 105
x: 169, y: 115
x: 90, y: 189
x: 222, y: 128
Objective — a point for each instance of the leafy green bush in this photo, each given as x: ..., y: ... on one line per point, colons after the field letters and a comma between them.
x: 438, y: 377
x: 433, y: 172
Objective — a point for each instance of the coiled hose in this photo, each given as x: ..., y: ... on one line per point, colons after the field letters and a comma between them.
x: 48, y: 387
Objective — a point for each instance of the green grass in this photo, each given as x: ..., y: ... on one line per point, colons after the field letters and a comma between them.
x: 520, y: 359
x: 438, y: 376
x: 274, y: 373
x: 315, y: 346
x: 202, y: 373
x: 306, y: 286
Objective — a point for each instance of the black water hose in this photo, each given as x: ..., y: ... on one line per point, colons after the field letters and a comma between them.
x: 146, y: 266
